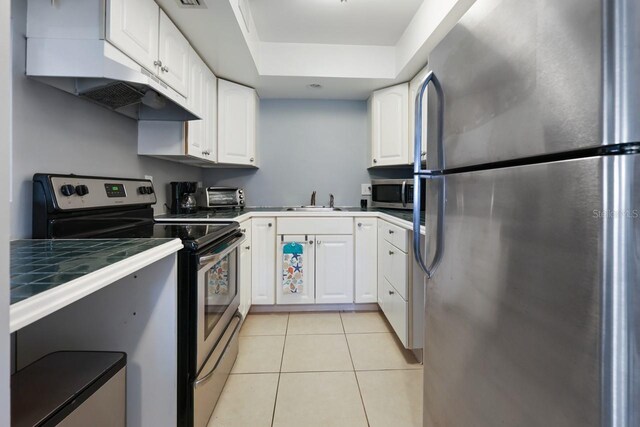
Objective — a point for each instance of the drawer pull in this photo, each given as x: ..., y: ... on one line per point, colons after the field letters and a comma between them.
x: 392, y: 293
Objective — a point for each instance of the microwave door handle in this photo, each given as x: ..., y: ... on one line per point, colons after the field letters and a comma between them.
x: 403, y: 195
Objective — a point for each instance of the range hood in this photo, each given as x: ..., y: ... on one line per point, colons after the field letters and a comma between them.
x: 97, y: 71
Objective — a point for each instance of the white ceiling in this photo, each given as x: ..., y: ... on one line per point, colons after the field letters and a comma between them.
x: 354, y: 22
x: 228, y: 43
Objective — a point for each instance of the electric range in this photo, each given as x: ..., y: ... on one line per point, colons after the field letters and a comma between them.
x: 77, y: 207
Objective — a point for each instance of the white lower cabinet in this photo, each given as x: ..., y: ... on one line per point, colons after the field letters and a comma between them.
x: 366, y: 260
x: 393, y: 278
x: 314, y: 269
x: 263, y: 255
x: 334, y: 269
x: 245, y: 269
x: 295, y: 268
x: 395, y: 309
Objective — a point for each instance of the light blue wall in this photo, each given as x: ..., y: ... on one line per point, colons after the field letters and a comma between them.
x: 306, y: 145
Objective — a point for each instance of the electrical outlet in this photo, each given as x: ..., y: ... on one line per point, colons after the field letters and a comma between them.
x: 366, y: 189
x: 149, y: 177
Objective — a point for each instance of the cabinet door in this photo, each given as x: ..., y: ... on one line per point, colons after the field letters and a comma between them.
x: 174, y: 56
x: 295, y: 270
x: 395, y: 309
x: 210, y: 143
x: 414, y: 87
x: 263, y: 260
x: 195, y: 130
x: 366, y: 260
x: 132, y: 26
x: 390, y: 126
x: 245, y: 269
x: 334, y: 269
x: 237, y: 111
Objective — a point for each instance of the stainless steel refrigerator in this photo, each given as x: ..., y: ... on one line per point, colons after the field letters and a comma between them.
x: 532, y: 303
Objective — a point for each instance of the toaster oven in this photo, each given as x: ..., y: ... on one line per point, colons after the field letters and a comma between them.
x: 221, y: 197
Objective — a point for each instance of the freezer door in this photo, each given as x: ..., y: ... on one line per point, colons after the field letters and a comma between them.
x: 523, y: 78
x: 514, y: 311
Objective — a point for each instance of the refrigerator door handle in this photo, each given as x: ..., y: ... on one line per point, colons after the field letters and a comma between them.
x: 417, y: 150
x: 417, y: 249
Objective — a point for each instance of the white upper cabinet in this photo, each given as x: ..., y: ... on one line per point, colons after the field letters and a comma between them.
x: 237, y: 115
x: 389, y: 109
x: 173, y: 56
x: 334, y: 269
x: 132, y: 26
x: 414, y: 87
x: 211, y: 116
x: 195, y: 130
x: 201, y: 135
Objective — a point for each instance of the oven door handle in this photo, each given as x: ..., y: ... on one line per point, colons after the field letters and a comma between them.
x: 218, y: 255
x: 237, y: 319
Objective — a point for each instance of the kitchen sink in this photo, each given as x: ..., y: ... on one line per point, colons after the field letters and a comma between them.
x: 312, y: 209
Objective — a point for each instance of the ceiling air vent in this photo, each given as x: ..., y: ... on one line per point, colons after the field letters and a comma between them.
x: 192, y: 4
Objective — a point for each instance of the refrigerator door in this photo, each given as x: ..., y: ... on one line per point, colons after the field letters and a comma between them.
x: 517, y: 331
x: 523, y: 78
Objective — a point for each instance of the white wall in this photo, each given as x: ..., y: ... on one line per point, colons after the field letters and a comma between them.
x: 306, y: 145
x: 59, y: 133
x: 5, y: 143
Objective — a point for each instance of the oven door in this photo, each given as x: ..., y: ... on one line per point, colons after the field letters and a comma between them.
x: 217, y: 290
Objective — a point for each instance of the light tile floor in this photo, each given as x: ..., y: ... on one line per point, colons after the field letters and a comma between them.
x: 320, y: 369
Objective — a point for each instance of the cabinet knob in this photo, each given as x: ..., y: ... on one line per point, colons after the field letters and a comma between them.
x: 319, y: 242
x: 157, y: 63
x: 270, y: 225
x: 359, y: 224
x: 391, y: 293
x: 247, y: 247
x: 391, y: 231
x: 375, y: 161
x: 164, y: 68
x: 251, y: 160
x: 311, y: 242
x: 391, y: 252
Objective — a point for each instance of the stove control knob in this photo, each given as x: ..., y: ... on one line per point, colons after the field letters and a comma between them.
x: 149, y: 190
x: 142, y: 190
x: 82, y: 190
x: 68, y: 190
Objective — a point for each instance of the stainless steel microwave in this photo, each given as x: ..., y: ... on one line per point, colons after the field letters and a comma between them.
x: 392, y: 193
x: 221, y: 197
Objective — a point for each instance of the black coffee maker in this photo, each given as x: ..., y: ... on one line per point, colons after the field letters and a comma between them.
x: 183, y: 197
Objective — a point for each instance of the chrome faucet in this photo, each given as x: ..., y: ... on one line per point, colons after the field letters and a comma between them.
x: 313, y: 198
x: 331, y: 200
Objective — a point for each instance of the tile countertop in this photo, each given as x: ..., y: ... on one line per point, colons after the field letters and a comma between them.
x: 405, y: 217
x: 46, y: 275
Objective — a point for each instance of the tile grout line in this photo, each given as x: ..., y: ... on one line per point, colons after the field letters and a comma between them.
x: 355, y: 374
x: 275, y: 401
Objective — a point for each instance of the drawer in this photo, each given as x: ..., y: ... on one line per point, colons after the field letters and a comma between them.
x: 314, y: 226
x: 396, y: 310
x: 395, y: 267
x: 397, y: 236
